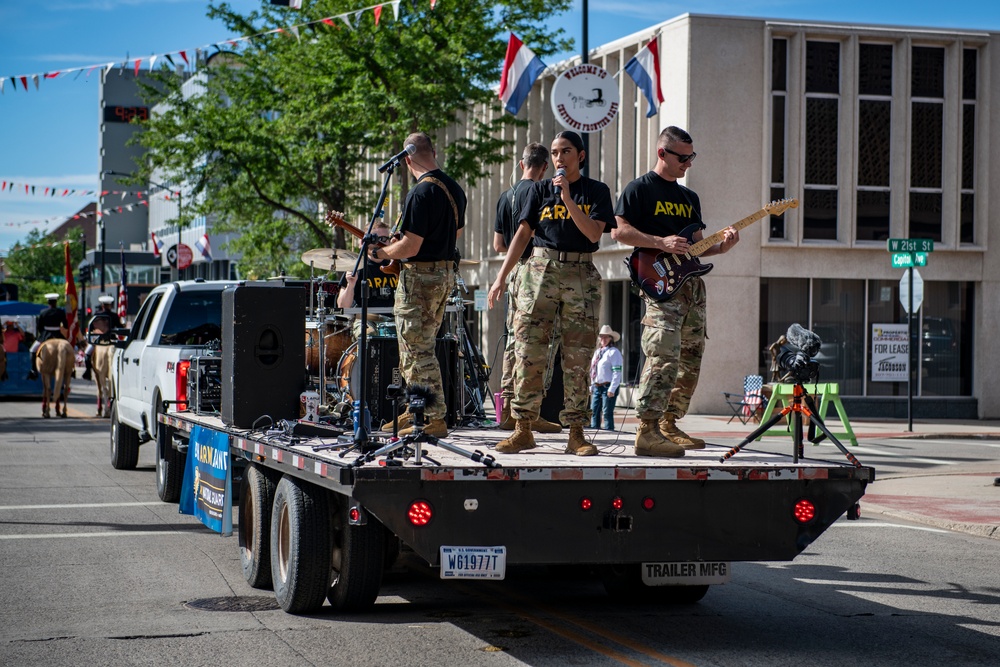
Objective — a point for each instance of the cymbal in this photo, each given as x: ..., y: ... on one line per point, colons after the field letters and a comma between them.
x: 330, y: 259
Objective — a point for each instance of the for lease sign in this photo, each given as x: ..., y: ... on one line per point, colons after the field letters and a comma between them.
x: 890, y: 353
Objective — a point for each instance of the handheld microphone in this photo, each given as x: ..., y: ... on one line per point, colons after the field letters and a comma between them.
x: 559, y: 172
x: 803, y: 339
x: 409, y: 149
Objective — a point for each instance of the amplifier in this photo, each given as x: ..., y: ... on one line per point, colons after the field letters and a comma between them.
x: 204, y: 390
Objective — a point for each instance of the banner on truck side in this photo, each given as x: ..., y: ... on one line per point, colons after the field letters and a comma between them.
x: 207, y: 492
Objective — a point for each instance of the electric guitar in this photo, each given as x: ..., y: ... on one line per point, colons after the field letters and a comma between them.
x: 336, y: 219
x: 660, y: 274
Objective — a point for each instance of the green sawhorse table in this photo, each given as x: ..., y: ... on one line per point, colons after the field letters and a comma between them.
x: 829, y: 393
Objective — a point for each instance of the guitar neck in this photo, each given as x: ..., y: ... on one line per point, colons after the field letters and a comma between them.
x: 709, y: 241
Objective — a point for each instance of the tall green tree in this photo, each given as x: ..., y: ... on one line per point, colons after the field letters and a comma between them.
x: 38, y: 265
x: 289, y: 119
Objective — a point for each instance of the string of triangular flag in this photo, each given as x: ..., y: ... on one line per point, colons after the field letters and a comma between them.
x: 79, y: 216
x: 332, y: 21
x: 11, y: 187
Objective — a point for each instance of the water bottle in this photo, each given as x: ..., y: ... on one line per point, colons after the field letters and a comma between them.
x: 357, y: 419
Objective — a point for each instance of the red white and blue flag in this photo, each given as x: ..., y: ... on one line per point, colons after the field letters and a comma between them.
x: 644, y: 68
x: 157, y: 244
x: 520, y: 69
x: 203, y: 247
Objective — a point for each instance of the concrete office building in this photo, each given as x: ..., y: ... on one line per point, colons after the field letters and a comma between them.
x: 878, y: 131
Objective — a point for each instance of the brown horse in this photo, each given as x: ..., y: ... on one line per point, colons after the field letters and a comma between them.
x: 102, y: 359
x: 56, y: 360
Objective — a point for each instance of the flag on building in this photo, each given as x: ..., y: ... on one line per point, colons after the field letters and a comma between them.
x: 520, y: 69
x: 644, y: 68
x: 157, y: 244
x: 123, y: 290
x: 71, y: 301
x: 203, y: 247
x: 294, y: 4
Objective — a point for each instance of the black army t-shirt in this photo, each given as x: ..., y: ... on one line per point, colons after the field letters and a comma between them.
x: 548, y: 217
x: 656, y: 206
x: 509, y: 208
x: 381, y: 287
x: 429, y: 214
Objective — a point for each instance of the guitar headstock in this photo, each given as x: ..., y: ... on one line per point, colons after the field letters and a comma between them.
x: 779, y: 206
x: 335, y: 217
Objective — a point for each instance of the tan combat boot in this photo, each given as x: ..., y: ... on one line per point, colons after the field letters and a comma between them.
x: 435, y: 427
x: 668, y: 427
x: 578, y: 443
x: 405, y: 419
x: 650, y: 442
x: 506, y: 421
x: 542, y: 425
x: 519, y: 441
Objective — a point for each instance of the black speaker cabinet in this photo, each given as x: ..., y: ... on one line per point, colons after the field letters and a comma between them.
x: 382, y: 370
x: 263, y: 353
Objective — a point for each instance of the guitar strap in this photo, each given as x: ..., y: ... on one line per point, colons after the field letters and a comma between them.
x: 454, y: 206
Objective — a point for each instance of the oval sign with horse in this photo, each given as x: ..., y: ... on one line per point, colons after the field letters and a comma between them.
x: 585, y: 98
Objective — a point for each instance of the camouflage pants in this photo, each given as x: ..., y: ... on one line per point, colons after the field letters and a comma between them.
x: 507, y: 378
x: 421, y: 297
x: 673, y: 340
x: 569, y: 292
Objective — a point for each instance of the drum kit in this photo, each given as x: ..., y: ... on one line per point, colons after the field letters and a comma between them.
x: 332, y: 353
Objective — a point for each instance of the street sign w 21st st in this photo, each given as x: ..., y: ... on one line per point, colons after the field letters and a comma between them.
x: 909, y: 245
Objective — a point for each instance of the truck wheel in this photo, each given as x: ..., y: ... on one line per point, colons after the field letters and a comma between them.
x: 300, y: 545
x: 124, y: 443
x: 358, y: 557
x: 169, y: 464
x: 624, y: 583
x: 256, y: 498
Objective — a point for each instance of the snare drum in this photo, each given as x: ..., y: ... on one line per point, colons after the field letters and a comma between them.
x: 385, y: 329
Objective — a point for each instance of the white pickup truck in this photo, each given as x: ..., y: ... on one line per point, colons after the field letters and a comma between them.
x: 176, y: 322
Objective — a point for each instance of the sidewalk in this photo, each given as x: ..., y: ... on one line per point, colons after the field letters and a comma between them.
x: 964, y: 501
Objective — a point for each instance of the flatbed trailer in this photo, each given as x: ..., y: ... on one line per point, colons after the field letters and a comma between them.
x: 318, y: 519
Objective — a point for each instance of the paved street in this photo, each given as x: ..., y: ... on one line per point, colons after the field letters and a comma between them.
x: 99, y: 571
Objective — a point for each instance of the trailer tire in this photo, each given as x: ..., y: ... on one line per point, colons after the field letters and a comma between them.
x: 624, y: 583
x: 256, y: 499
x: 169, y: 463
x: 124, y: 443
x: 300, y: 545
x: 358, y: 555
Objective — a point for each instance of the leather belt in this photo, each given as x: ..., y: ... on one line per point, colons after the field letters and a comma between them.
x: 561, y: 255
x: 440, y: 264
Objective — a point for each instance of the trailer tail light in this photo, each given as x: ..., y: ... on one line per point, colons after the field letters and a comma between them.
x: 586, y: 503
x: 354, y: 515
x: 182, y: 383
x: 617, y: 503
x: 804, y: 511
x: 420, y: 513
x: 648, y: 504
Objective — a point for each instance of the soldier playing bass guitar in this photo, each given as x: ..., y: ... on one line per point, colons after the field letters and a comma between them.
x: 652, y: 212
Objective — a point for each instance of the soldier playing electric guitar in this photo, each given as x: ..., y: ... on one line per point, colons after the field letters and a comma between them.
x: 656, y: 212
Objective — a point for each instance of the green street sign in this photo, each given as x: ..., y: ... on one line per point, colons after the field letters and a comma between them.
x: 904, y: 260
x: 909, y: 245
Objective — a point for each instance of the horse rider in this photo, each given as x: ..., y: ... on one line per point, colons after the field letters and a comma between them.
x: 103, y: 321
x: 52, y: 323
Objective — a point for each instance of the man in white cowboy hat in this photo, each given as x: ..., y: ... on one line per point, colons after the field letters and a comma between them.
x: 103, y: 321
x: 605, y: 378
x: 52, y: 323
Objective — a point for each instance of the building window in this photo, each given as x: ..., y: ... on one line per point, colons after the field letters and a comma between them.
x: 966, y: 220
x: 819, y: 211
x: 779, y: 90
x: 927, y: 141
x: 874, y: 141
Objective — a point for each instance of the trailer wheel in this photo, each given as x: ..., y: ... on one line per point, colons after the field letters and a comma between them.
x: 124, y: 443
x: 300, y: 545
x: 358, y: 556
x: 169, y: 463
x: 256, y: 499
x: 624, y: 583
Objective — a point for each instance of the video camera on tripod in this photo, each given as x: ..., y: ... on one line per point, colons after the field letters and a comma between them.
x: 793, y: 356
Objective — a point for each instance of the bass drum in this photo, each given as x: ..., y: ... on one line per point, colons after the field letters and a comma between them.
x: 346, y: 373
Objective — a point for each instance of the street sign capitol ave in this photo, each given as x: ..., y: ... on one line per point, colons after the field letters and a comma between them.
x: 585, y: 98
x: 903, y: 260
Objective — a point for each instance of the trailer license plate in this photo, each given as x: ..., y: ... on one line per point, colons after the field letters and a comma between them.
x: 685, y: 574
x: 473, y: 562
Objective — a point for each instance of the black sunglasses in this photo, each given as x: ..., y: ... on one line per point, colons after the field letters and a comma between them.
x: 682, y: 158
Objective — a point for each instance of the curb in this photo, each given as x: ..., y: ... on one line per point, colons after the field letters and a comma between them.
x: 977, y: 529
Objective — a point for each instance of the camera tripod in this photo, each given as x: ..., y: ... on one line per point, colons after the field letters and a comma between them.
x: 802, y: 405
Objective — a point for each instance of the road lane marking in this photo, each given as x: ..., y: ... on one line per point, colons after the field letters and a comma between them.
x: 883, y: 524
x: 79, y: 506
x: 116, y: 533
x: 907, y: 457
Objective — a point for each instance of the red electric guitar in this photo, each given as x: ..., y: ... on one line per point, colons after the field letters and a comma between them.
x: 336, y: 219
x: 660, y: 274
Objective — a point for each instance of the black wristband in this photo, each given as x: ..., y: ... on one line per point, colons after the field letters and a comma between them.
x: 375, y: 252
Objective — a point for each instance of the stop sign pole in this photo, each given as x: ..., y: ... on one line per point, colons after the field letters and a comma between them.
x: 913, y: 362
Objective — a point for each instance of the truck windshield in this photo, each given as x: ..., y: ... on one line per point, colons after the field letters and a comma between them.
x: 194, y: 318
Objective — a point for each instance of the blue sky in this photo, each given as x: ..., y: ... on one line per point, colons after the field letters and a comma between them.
x: 50, y: 136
